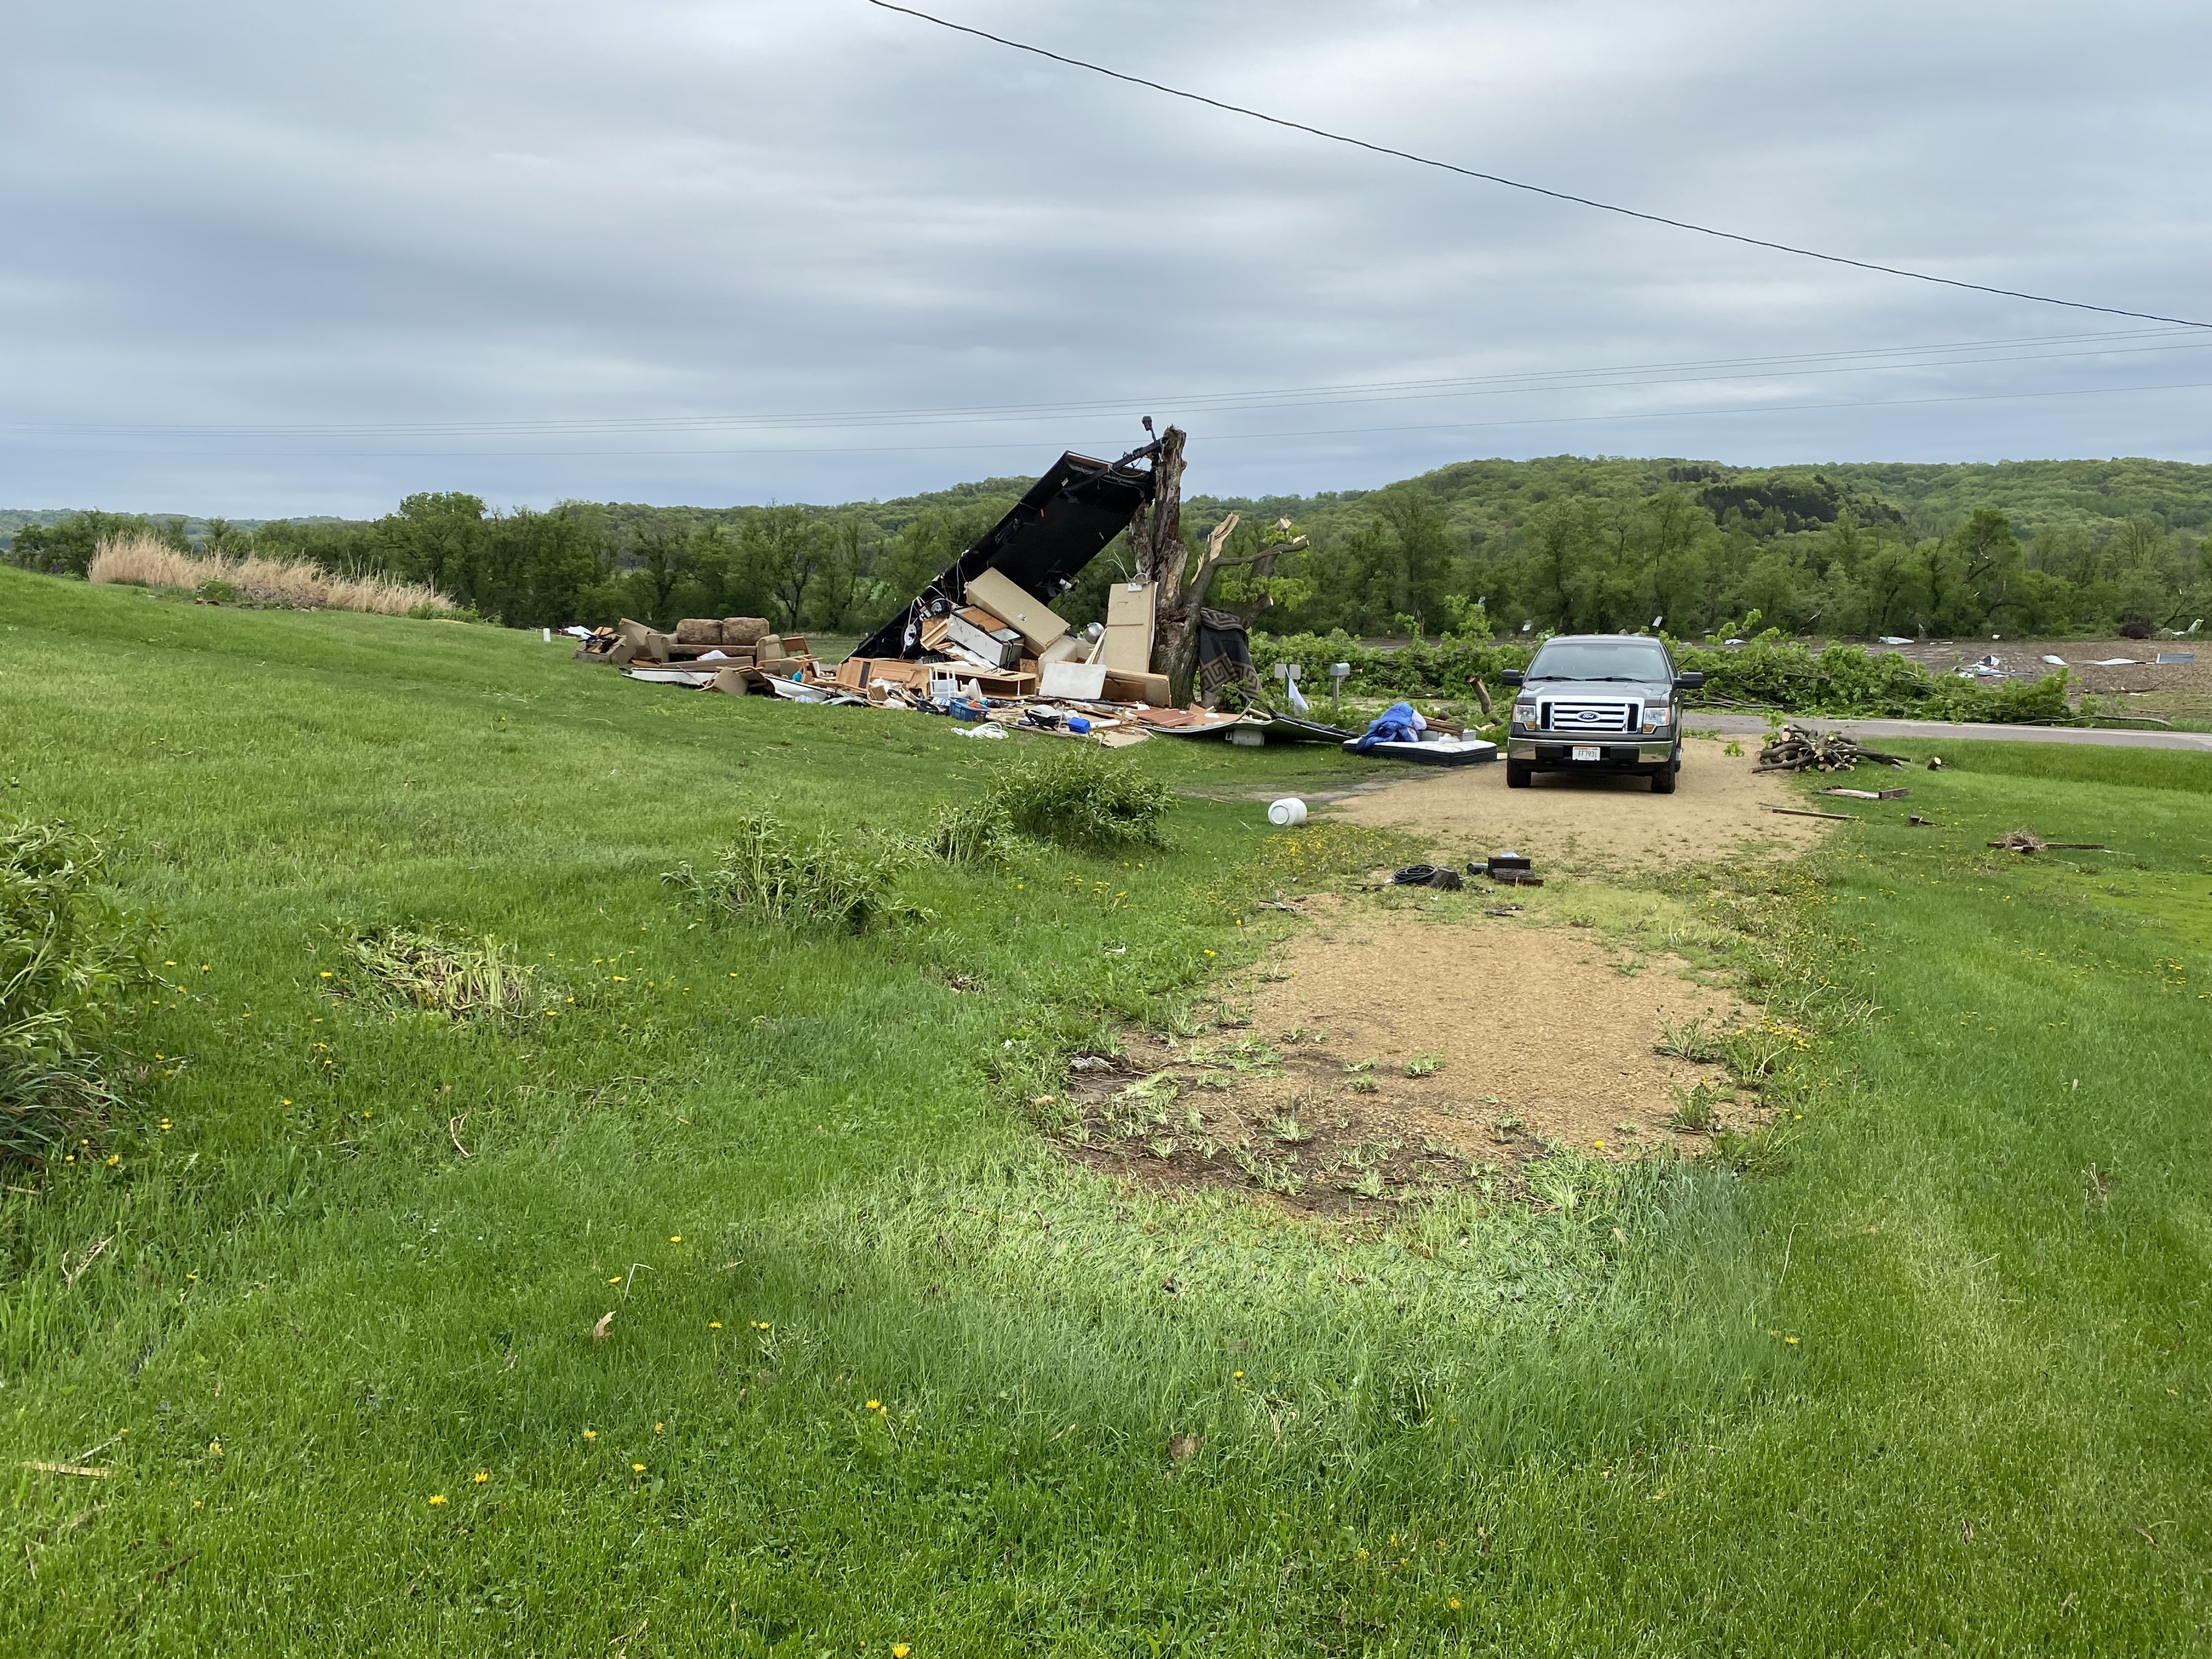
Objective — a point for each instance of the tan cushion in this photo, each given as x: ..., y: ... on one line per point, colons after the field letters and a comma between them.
x: 744, y: 630
x: 699, y: 630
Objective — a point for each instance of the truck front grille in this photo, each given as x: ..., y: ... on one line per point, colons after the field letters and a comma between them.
x: 1589, y: 714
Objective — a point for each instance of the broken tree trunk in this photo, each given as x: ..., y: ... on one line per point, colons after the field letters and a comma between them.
x: 1175, y: 649
x: 1156, y: 531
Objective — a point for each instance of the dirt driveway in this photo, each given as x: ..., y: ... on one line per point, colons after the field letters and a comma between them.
x: 1721, y: 808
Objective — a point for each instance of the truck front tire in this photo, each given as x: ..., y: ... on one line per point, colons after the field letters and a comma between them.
x: 1518, y: 773
x: 1662, y: 780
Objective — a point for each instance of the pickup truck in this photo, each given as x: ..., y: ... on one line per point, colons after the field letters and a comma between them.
x: 1598, y: 703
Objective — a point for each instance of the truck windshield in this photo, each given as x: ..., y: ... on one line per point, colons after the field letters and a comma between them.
x: 1600, y: 659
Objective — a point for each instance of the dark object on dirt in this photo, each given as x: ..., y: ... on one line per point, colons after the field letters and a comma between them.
x: 2027, y: 841
x: 1804, y: 812
x: 2137, y: 629
x: 1503, y: 910
x: 1508, y: 870
x: 1796, y: 749
x: 1430, y: 875
x: 1041, y: 545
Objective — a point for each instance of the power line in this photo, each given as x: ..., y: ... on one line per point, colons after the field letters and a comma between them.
x: 1009, y: 445
x: 1516, y: 184
x: 1794, y: 365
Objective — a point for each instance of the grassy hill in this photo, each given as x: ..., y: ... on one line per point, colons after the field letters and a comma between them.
x: 1917, y: 1373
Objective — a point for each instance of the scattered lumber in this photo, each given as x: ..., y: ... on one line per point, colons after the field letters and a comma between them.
x: 2027, y: 841
x: 1798, y: 749
x: 1803, y: 813
x: 1869, y: 794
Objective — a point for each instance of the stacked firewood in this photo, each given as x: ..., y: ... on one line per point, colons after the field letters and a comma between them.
x: 1798, y: 749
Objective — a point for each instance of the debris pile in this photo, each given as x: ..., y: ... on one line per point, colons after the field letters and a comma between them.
x: 1797, y: 748
x: 983, y: 644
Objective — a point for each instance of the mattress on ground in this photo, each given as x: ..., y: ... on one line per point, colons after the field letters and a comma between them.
x: 1433, y: 751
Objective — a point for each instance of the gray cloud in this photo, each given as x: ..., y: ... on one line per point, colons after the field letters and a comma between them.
x: 270, y: 259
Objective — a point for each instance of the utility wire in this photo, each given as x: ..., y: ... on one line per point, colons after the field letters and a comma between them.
x: 1799, y: 365
x: 1533, y: 190
x: 1029, y: 447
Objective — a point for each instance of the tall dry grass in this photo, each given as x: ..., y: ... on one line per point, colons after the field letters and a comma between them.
x: 143, y: 562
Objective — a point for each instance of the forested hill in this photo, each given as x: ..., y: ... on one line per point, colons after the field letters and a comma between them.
x: 1853, y: 549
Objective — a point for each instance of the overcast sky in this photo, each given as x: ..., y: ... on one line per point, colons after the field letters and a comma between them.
x: 268, y: 259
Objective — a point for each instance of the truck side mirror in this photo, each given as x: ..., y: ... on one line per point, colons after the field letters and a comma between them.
x: 1509, y: 677
x: 1689, y: 681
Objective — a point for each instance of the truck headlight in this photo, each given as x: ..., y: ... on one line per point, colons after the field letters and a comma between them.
x: 1658, y: 719
x: 1524, y: 713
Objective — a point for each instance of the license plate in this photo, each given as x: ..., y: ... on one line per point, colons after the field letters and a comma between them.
x: 1586, y: 751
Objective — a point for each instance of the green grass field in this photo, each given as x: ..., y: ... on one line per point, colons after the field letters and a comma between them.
x: 1929, y: 1375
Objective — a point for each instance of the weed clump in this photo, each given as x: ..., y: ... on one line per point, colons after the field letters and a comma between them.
x: 772, y: 874
x: 442, y: 972
x: 1083, y: 797
x: 70, y: 955
x: 972, y: 832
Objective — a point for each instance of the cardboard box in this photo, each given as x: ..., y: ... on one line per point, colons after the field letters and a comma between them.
x: 1129, y: 627
x: 1022, y: 611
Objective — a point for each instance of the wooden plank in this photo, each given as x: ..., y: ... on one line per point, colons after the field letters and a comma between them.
x: 1129, y: 620
x: 1038, y: 624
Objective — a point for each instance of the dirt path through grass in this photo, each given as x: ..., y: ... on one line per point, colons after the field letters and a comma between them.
x: 1721, y: 808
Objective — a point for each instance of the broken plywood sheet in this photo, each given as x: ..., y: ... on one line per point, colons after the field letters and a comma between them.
x: 1038, y: 624
x: 1129, y: 627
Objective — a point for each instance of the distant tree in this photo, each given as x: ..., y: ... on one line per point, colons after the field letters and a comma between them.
x: 65, y: 547
x: 791, y: 552
x: 433, y: 538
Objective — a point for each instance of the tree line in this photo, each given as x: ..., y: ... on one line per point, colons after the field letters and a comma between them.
x: 1478, y: 550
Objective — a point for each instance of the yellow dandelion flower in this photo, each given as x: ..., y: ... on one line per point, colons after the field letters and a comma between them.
x: 1237, y: 1377
x: 1791, y: 1340
x: 326, y: 974
x: 214, y: 1449
x: 899, y: 1650
x: 616, y: 1280
x: 482, y: 1476
x: 591, y: 1434
x: 637, y: 1469
x: 437, y: 1497
x: 113, y: 1159
x: 1451, y: 1603
x: 657, y: 1427
x: 676, y: 1238
x: 875, y: 1405
x: 713, y: 1324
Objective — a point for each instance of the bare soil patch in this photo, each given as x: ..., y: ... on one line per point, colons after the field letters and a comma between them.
x: 1363, y: 1077
x: 1720, y: 809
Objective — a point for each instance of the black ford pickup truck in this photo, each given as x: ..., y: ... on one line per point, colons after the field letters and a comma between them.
x: 1598, y: 703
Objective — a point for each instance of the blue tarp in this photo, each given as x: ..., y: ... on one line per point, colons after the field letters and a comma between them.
x: 1395, y: 724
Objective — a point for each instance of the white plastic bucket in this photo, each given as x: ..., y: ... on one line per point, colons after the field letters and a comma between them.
x: 1287, y: 814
